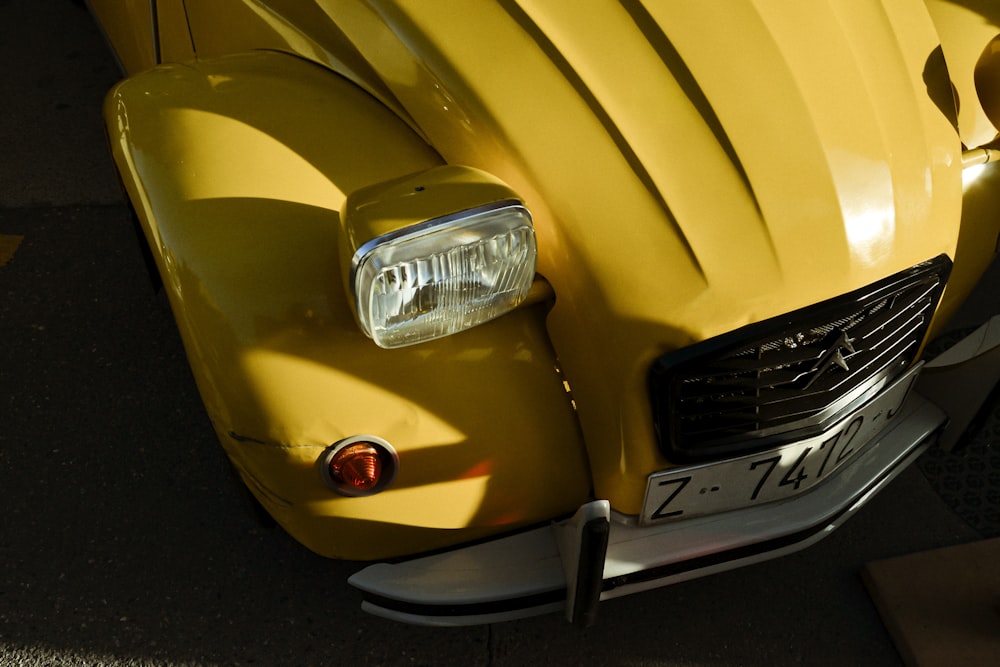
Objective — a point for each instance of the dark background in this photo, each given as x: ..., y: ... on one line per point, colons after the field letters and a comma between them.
x: 122, y: 541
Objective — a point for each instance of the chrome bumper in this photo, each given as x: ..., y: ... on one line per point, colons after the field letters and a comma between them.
x: 569, y: 566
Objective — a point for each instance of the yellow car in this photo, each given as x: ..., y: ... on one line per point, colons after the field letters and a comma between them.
x: 539, y: 303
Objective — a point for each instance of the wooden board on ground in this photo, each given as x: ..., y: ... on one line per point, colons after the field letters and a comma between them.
x: 942, y: 607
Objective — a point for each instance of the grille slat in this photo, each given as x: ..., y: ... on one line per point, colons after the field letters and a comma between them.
x: 773, y: 382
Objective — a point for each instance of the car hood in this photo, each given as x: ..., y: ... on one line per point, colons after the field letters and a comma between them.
x: 691, y: 168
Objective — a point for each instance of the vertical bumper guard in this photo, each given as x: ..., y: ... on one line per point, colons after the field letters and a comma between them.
x: 583, y: 545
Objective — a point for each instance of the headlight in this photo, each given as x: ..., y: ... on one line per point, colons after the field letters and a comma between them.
x: 435, y: 253
x: 446, y: 275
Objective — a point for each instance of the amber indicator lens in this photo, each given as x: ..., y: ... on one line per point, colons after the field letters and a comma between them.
x: 358, y: 466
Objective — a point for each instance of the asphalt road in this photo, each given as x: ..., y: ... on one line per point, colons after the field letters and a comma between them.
x: 121, y: 539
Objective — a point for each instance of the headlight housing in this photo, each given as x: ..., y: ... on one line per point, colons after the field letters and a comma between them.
x: 437, y: 276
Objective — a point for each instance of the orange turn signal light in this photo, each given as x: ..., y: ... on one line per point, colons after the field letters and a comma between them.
x: 359, y: 466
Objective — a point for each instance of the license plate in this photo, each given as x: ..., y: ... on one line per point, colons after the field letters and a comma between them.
x: 776, y: 474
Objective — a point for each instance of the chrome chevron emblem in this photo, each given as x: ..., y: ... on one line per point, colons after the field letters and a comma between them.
x: 839, y: 344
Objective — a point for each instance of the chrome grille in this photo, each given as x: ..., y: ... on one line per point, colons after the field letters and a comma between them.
x: 794, y: 375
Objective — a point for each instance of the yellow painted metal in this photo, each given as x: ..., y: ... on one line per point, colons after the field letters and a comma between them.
x: 173, y: 33
x: 140, y: 38
x: 966, y: 28
x: 689, y: 171
x: 128, y: 25
x: 476, y: 458
x: 968, y: 32
x: 987, y: 77
x: 292, y: 26
x: 383, y: 208
x: 238, y: 168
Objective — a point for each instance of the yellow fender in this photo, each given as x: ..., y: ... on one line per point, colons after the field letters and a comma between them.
x: 238, y: 168
x: 969, y: 32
